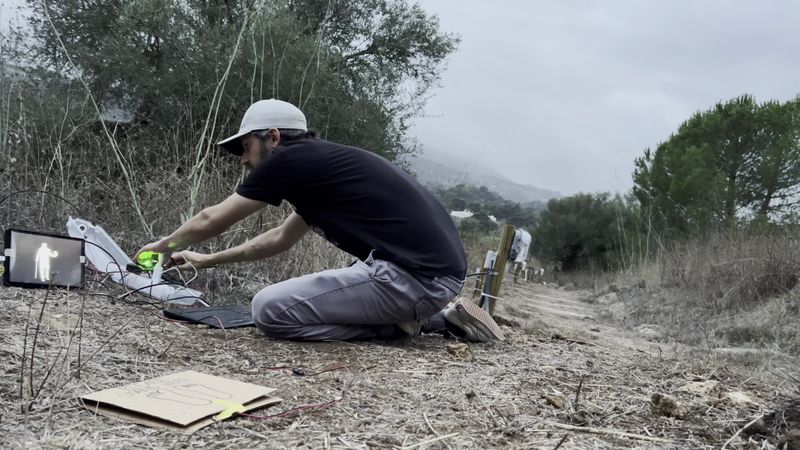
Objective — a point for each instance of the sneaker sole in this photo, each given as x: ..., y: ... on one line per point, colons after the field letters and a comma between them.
x: 464, y: 322
x: 476, y: 315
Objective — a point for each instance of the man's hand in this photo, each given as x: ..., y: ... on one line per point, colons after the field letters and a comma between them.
x: 160, y: 246
x: 186, y: 260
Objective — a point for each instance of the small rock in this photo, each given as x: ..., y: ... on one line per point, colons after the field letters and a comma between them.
x: 740, y: 354
x: 507, y: 322
x: 790, y: 440
x: 579, y: 418
x: 650, y: 331
x: 569, y: 287
x: 554, y: 401
x: 613, y: 288
x: 699, y: 387
x: 758, y: 428
x: 461, y: 351
x: 608, y: 299
x: 741, y: 398
x: 662, y: 405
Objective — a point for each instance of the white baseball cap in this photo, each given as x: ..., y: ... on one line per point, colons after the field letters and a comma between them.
x: 262, y: 115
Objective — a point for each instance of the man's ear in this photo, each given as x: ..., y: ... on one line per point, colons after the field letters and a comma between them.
x: 274, y: 136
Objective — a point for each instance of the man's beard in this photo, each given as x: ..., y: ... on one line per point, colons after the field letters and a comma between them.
x: 265, y: 153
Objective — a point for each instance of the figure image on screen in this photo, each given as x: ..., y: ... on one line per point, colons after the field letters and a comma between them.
x: 42, y: 260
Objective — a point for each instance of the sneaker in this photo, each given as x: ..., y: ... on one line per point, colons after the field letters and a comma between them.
x: 476, y: 323
x: 413, y: 328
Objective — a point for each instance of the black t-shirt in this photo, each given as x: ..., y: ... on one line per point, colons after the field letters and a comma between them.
x: 361, y: 203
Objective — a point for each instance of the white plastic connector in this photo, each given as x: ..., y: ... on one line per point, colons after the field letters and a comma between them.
x: 114, y: 262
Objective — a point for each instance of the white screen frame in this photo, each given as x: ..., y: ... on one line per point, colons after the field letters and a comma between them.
x: 76, y: 268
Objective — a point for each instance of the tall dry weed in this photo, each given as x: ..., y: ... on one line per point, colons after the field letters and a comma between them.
x: 735, y: 269
x: 728, y: 289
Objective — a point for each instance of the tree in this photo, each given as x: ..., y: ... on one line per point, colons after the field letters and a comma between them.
x: 479, y: 224
x: 359, y: 69
x: 484, y: 201
x: 722, y: 164
x: 773, y: 179
x: 582, y: 230
x: 187, y: 70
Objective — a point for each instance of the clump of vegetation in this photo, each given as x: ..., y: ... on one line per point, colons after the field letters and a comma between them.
x: 724, y: 289
x: 584, y: 230
x: 733, y: 270
x: 735, y: 163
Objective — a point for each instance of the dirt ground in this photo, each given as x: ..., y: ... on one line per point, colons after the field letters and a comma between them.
x: 563, y: 379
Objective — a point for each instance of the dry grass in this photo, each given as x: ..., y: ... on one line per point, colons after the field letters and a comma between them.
x: 726, y: 291
x: 476, y: 247
x: 735, y: 270
x: 398, y: 394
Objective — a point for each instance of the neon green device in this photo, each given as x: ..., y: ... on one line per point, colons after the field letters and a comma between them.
x: 148, y: 260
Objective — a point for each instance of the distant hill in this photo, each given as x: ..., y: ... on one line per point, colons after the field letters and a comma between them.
x: 439, y: 169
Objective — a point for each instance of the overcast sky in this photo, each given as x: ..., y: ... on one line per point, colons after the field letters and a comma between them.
x: 566, y: 94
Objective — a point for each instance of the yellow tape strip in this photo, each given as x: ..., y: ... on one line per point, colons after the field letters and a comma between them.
x: 231, y: 408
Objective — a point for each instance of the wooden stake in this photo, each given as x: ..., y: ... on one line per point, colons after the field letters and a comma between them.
x: 506, y: 239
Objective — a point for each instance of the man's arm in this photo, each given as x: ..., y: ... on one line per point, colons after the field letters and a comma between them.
x: 265, y: 245
x: 207, y: 223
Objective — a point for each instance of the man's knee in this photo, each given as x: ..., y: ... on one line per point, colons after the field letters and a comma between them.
x: 266, y: 309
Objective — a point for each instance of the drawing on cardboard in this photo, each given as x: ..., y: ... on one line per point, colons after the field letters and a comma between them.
x: 179, y: 390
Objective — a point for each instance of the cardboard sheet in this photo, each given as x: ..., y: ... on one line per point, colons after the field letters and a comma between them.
x: 185, y: 401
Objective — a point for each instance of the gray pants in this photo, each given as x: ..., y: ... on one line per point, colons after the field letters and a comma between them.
x: 363, y: 301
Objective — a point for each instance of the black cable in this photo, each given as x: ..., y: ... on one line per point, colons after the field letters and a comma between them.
x: 110, y: 255
x: 115, y: 298
x: 119, y: 270
x: 185, y: 296
x: 154, y: 303
x: 158, y: 304
x: 78, y: 210
x: 477, y: 273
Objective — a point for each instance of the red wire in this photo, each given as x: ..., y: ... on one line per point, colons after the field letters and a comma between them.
x: 310, y: 406
x: 221, y: 325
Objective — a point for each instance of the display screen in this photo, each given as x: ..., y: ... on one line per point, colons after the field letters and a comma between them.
x: 41, y: 260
